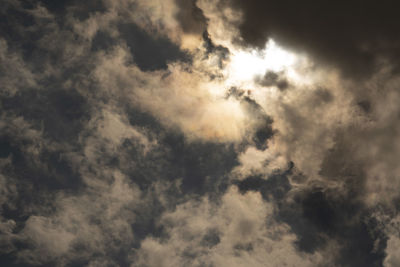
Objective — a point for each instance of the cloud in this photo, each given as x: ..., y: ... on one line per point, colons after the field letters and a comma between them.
x: 170, y: 95
x: 238, y: 231
x: 257, y: 162
x: 84, y: 225
x: 191, y: 17
x: 392, y: 251
x: 15, y: 75
x: 171, y: 133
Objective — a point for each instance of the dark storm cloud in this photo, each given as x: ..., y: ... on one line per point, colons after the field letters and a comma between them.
x: 350, y: 35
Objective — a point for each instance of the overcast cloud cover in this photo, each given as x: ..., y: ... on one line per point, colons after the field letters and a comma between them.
x: 199, y: 133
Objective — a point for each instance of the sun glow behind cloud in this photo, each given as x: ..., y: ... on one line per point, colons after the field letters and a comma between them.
x: 245, y: 65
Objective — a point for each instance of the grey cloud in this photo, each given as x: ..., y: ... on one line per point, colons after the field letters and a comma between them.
x: 82, y: 225
x: 191, y: 17
x: 122, y: 143
x: 273, y: 79
x: 392, y: 251
x: 14, y: 74
x: 243, y: 230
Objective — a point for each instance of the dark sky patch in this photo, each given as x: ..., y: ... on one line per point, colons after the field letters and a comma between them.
x: 56, y: 6
x: 202, y: 166
x: 211, y: 238
x: 73, y: 7
x: 53, y: 173
x: 13, y: 29
x: 365, y: 105
x: 143, y: 119
x: 59, y: 112
x: 102, y: 41
x: 273, y: 187
x: 150, y: 52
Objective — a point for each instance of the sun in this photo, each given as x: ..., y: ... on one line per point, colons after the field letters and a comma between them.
x: 245, y: 65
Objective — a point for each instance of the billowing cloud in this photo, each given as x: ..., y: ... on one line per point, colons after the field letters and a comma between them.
x: 198, y: 133
x: 238, y: 231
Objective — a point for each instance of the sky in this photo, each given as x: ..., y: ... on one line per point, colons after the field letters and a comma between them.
x: 158, y: 133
